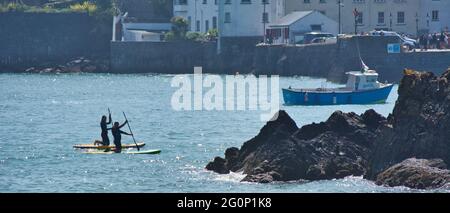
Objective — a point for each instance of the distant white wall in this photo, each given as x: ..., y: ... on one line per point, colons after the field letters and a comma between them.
x: 144, y: 31
x: 200, y: 14
x: 148, y: 26
x: 246, y: 19
x: 426, y: 20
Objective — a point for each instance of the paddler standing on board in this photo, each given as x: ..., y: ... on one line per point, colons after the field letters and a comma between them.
x: 117, y: 134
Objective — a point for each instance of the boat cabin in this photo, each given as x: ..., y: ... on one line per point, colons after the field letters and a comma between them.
x: 362, y: 80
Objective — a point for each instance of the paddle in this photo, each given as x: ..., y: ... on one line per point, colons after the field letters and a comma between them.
x: 109, y: 111
x: 128, y: 123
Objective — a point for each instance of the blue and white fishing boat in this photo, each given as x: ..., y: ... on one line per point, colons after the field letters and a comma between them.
x: 362, y: 88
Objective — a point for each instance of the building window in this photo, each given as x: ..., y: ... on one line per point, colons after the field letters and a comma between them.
x: 214, y: 22
x: 227, y: 17
x: 360, y: 18
x: 435, y: 15
x: 205, y: 1
x: 316, y: 27
x: 197, y: 26
x: 380, y: 17
x: 227, y: 1
x: 400, y: 17
x: 181, y: 2
x: 190, y: 23
x: 306, y: 1
x: 246, y: 1
x: 206, y: 25
x: 322, y: 1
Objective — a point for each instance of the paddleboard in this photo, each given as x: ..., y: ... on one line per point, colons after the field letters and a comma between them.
x: 92, y: 146
x: 142, y: 152
x: 147, y: 152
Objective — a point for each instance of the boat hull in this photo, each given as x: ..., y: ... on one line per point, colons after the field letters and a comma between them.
x: 318, y: 98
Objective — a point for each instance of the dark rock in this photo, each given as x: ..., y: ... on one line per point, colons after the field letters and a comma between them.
x: 262, y: 177
x: 419, y: 125
x: 218, y: 165
x: 80, y: 64
x: 89, y: 68
x: 372, y: 119
x: 336, y: 148
x: 416, y: 173
x: 231, y: 158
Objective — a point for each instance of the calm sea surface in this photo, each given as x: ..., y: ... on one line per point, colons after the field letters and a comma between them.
x: 43, y: 116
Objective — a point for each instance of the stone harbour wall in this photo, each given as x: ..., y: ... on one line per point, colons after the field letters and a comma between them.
x: 243, y: 55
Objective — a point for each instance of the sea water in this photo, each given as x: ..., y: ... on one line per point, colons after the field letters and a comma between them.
x: 43, y: 115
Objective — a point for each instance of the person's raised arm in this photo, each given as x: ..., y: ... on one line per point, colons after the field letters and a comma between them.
x: 124, y: 123
x: 110, y: 120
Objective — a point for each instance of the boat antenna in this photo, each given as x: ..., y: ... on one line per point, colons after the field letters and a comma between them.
x: 364, y: 67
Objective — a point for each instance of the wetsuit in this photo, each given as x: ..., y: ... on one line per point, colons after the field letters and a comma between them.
x: 117, y: 134
x: 105, y: 138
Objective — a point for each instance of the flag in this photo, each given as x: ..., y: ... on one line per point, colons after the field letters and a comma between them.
x: 355, y: 12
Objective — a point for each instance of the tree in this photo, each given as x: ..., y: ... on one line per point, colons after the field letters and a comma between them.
x: 179, y: 28
x: 212, y: 34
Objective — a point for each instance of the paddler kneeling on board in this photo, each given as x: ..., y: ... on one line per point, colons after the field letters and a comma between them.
x: 104, y: 127
x: 117, y: 134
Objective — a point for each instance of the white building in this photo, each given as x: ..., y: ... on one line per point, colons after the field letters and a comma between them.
x: 126, y: 30
x: 435, y: 15
x: 404, y: 16
x: 250, y: 17
x: 202, y: 15
x: 145, y: 31
x: 239, y: 18
x: 292, y: 27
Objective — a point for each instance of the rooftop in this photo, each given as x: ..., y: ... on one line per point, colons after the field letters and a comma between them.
x: 292, y: 18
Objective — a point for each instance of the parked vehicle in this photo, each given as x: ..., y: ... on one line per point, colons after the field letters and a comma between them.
x: 409, y: 42
x: 326, y: 40
x: 309, y: 37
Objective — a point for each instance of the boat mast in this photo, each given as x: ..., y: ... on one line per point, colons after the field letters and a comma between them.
x: 364, y: 67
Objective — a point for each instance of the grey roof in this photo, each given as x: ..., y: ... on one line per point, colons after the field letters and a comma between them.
x: 291, y: 18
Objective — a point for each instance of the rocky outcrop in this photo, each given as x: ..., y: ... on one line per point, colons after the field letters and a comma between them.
x: 80, y: 64
x: 416, y: 173
x: 336, y: 148
x: 419, y: 125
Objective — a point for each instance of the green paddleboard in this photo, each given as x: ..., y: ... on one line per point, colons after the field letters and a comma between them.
x: 142, y: 152
x: 148, y: 152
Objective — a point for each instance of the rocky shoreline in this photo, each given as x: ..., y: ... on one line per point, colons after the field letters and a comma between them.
x: 411, y: 147
x: 77, y: 65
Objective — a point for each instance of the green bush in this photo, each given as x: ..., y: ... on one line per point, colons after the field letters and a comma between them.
x: 195, y: 36
x: 169, y: 36
x: 97, y: 8
x: 84, y: 7
x: 179, y: 28
x: 13, y: 7
x: 212, y: 34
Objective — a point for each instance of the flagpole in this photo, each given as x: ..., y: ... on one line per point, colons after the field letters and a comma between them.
x: 356, y: 14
